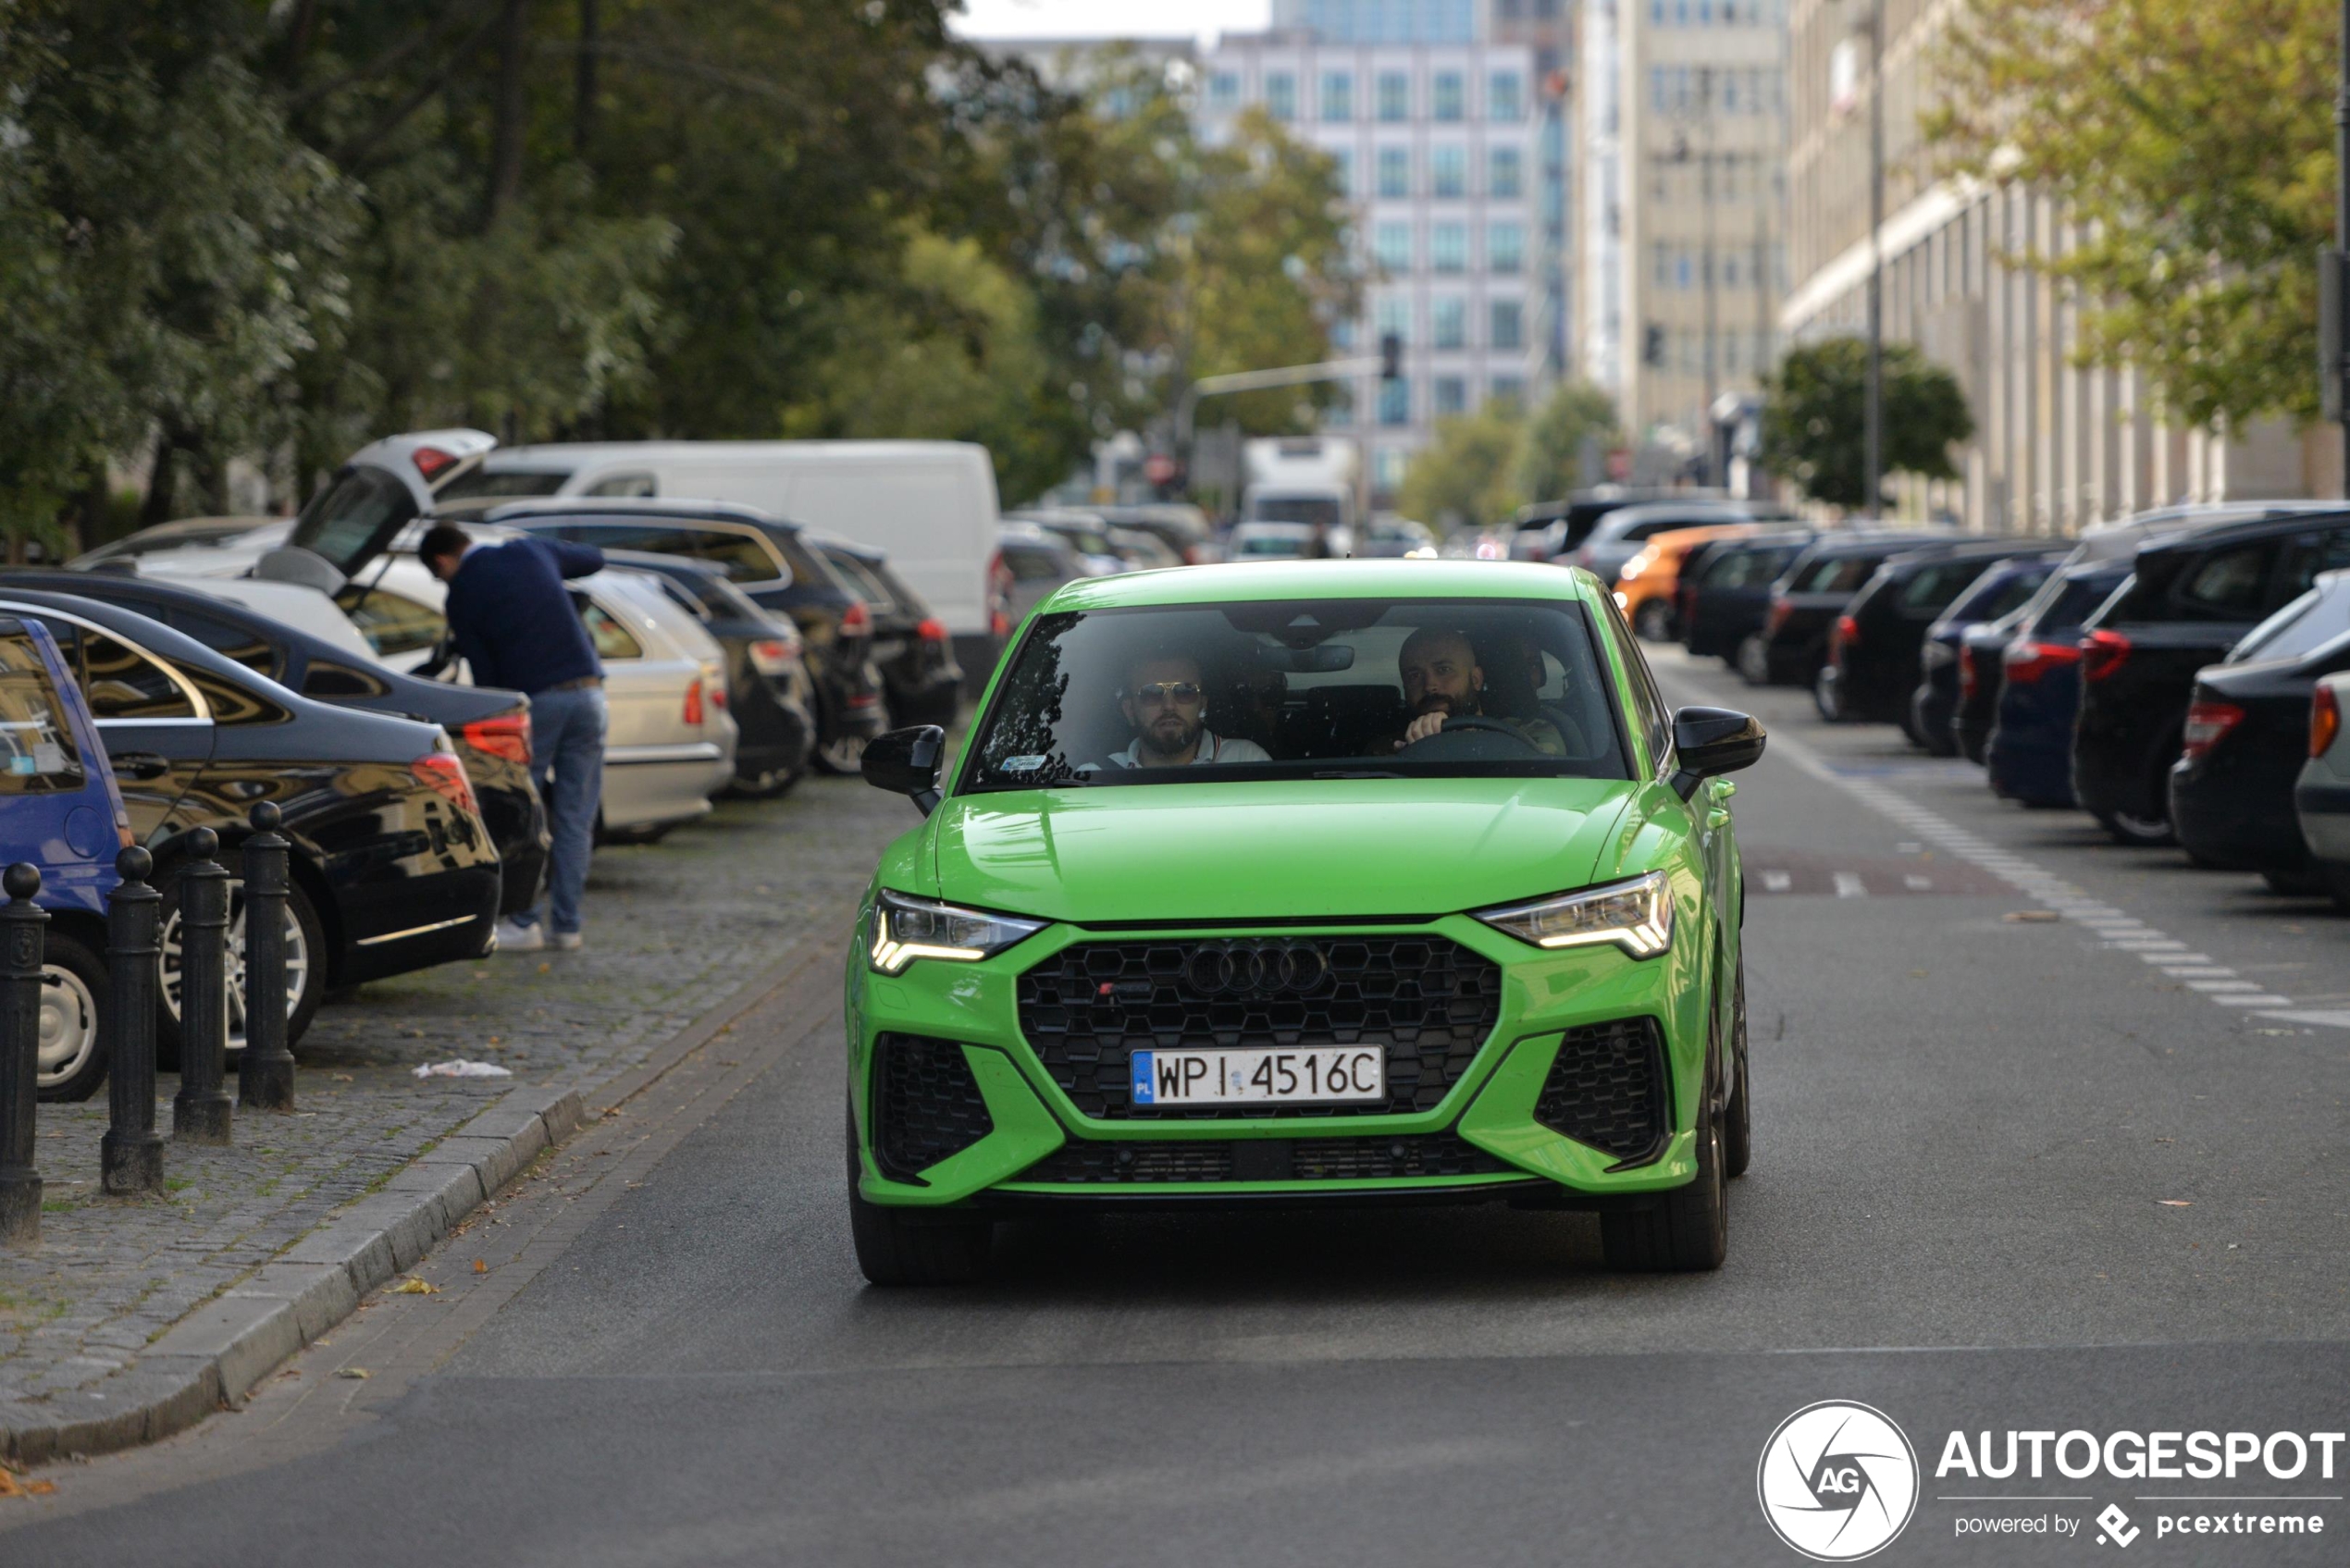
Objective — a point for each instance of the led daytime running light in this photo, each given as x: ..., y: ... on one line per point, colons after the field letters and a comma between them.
x: 1636, y: 915
x: 906, y: 929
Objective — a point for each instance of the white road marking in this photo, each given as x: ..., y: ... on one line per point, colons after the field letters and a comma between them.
x: 1777, y: 882
x: 1917, y: 885
x: 1849, y: 885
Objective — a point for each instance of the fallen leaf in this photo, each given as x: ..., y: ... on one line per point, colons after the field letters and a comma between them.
x: 546, y: 968
x: 8, y: 1486
x: 39, y: 1488
x: 344, y: 1078
x: 2176, y: 1203
x: 351, y: 1372
x: 480, y: 1267
x: 412, y: 1286
x: 2034, y: 917
x: 1917, y: 974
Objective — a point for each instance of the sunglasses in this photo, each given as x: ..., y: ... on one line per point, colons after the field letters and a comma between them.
x: 1158, y: 693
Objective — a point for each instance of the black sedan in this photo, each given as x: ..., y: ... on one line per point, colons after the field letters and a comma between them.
x: 1725, y: 589
x: 1817, y: 587
x: 489, y: 729
x: 2005, y: 588
x: 394, y: 868
x: 910, y: 646
x: 768, y: 688
x: 1877, y: 648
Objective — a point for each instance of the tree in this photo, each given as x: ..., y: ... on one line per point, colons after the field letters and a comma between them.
x: 1815, y: 412
x: 1565, y: 442
x: 1462, y: 478
x: 2189, y: 144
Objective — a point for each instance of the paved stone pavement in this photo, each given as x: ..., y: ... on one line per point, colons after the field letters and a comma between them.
x: 672, y: 928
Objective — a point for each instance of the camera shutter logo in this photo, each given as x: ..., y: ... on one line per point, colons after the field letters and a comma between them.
x: 1837, y: 1481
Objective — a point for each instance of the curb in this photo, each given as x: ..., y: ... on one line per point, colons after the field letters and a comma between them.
x: 217, y: 1353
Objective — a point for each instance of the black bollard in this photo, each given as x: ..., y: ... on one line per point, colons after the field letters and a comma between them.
x: 130, y: 1154
x: 201, y: 1112
x: 265, y: 1080
x: 20, y: 942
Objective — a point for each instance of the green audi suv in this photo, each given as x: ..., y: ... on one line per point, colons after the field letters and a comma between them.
x: 1326, y: 882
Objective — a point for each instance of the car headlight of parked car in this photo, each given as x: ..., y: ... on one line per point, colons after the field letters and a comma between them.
x: 906, y: 928
x: 1636, y: 916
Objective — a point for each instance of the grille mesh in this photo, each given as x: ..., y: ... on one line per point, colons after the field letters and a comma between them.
x: 1428, y: 1000
x: 928, y: 1104
x: 1301, y: 1159
x: 1607, y: 1088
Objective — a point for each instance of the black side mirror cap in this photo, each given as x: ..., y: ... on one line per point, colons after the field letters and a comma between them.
x: 1711, y: 741
x: 908, y: 762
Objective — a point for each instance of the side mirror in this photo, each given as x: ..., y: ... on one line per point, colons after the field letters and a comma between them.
x: 908, y: 762
x: 1711, y: 741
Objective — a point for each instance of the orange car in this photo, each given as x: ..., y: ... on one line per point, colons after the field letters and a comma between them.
x: 1645, y: 587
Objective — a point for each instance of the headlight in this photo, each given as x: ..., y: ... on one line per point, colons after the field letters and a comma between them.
x: 1636, y: 916
x: 906, y: 929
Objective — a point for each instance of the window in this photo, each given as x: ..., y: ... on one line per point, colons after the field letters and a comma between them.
x: 1342, y: 171
x: 1504, y: 173
x: 333, y: 682
x: 1683, y: 276
x: 124, y: 684
x: 612, y: 639
x: 624, y: 484
x: 1391, y: 246
x: 1506, y: 247
x: 1281, y: 95
x: 2228, y: 585
x: 1449, y: 322
x: 1388, y: 465
x: 1224, y: 90
x: 1450, y: 93
x: 1340, y: 411
x: 231, y: 641
x: 1510, y: 390
x: 1508, y: 325
x: 1337, y: 96
x: 1448, y: 171
x: 1394, y: 171
x: 1394, y: 97
x: 1448, y: 247
x: 1656, y: 89
x: 1395, y: 318
x: 1506, y: 97
x: 1648, y: 708
x: 1395, y: 401
x: 37, y: 752
x: 391, y: 623
x: 1449, y: 395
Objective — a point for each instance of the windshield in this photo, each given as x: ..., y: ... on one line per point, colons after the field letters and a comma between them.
x: 1287, y: 543
x: 504, y: 482
x: 1322, y: 512
x: 1283, y: 689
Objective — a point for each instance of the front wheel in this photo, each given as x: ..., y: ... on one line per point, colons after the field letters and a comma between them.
x: 1655, y: 622
x: 306, y: 969
x: 1754, y: 662
x: 840, y: 754
x: 896, y: 1246
x: 2136, y: 832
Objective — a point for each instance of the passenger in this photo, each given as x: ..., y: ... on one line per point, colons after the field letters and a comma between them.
x: 1443, y: 680
x: 1167, y: 705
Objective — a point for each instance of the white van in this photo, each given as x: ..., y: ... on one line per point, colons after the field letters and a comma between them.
x: 929, y: 506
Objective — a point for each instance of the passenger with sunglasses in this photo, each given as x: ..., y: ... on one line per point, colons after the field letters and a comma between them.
x: 1165, y: 702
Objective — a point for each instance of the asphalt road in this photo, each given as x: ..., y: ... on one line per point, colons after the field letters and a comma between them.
x: 2012, y: 1173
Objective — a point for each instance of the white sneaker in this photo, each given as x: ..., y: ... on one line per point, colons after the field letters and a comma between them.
x: 514, y: 937
x: 569, y: 942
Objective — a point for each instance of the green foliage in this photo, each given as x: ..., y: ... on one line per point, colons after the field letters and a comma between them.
x: 1565, y: 443
x: 2191, y: 145
x: 1463, y: 478
x: 1815, y: 412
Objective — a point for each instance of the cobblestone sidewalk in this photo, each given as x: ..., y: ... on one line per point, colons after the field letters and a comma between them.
x: 672, y: 930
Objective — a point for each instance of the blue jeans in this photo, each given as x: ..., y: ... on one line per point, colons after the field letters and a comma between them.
x: 567, y: 760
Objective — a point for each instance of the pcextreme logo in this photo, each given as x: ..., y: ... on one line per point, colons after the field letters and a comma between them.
x: 1837, y: 1481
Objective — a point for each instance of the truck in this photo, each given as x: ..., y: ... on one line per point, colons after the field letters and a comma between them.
x: 1311, y: 479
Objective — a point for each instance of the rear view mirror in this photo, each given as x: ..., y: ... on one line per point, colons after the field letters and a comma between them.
x: 908, y: 762
x: 1713, y: 741
x: 1322, y: 658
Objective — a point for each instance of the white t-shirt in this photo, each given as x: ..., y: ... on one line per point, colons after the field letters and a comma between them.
x: 1213, y: 748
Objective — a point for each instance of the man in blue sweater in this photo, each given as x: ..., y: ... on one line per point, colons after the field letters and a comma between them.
x: 512, y: 621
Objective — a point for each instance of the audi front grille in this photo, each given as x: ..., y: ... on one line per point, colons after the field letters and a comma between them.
x: 1427, y: 1001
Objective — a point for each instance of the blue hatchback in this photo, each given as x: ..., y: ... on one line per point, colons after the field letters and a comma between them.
x: 2030, y: 755
x: 59, y: 808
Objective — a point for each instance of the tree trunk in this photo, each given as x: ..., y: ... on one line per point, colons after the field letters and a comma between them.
x: 163, y: 479
x: 513, y: 113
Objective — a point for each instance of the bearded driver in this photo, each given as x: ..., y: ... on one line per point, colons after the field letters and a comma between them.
x: 1443, y: 680
x: 1167, y: 705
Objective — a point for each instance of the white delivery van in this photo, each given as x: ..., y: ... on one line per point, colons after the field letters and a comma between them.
x: 929, y: 506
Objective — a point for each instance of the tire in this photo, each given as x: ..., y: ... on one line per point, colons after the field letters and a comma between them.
x: 772, y: 785
x: 307, y: 959
x: 1827, y: 698
x: 898, y: 1247
x: 1686, y: 1229
x: 840, y: 754
x: 2303, y: 884
x: 70, y: 1052
x: 1738, y: 1128
x: 1654, y: 623
x: 2136, y: 832
x: 1753, y: 662
x: 2336, y: 877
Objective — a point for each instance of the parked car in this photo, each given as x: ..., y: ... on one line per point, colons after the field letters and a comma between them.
x: 488, y: 728
x: 665, y: 754
x: 2321, y: 793
x: 2004, y: 587
x: 2190, y: 599
x: 227, y: 535
x: 1142, y: 549
x: 1619, y: 535
x: 1724, y: 603
x: 394, y: 868
x: 1183, y: 527
x: 1818, y: 585
x: 1269, y: 541
x: 1035, y: 562
x: 1388, y: 535
x: 64, y: 817
x: 1876, y: 647
x: 768, y: 689
x: 909, y: 646
x: 1082, y: 532
x: 1565, y: 524
x: 2247, y: 735
x: 1648, y: 589
x: 2026, y: 680
x: 772, y: 562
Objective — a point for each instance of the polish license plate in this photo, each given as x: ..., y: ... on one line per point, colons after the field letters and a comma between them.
x: 1320, y: 1075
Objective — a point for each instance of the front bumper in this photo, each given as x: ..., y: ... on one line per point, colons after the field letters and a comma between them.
x: 1489, y: 1133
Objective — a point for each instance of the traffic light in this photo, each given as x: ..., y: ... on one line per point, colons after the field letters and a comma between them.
x: 1653, y: 345
x: 1390, y: 355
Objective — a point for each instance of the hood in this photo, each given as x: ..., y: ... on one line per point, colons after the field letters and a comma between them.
x: 1304, y: 847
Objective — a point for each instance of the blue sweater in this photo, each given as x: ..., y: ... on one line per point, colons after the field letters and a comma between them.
x: 512, y: 617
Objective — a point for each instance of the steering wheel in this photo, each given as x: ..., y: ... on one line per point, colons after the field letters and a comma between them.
x: 1467, y: 731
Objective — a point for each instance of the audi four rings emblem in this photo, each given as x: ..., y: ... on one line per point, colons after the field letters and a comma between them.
x: 1256, y: 969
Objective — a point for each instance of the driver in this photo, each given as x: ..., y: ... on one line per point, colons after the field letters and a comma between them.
x: 1167, y: 705
x: 1443, y: 680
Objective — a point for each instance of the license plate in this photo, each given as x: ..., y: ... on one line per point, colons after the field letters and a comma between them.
x: 1319, y: 1075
